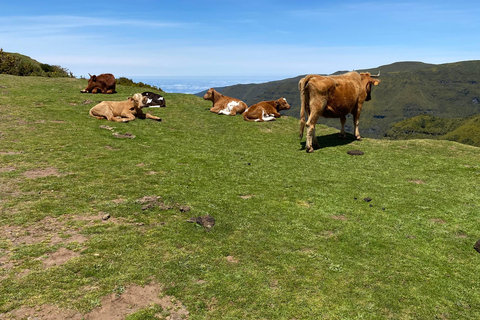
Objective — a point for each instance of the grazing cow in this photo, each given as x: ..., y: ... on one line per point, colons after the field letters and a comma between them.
x: 266, y: 110
x: 333, y: 97
x: 104, y: 83
x: 154, y: 100
x: 223, y: 104
x: 122, y: 111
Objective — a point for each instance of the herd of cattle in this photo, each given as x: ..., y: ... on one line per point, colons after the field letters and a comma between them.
x: 321, y: 96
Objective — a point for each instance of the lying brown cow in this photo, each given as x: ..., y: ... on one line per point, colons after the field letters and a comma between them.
x: 333, y: 97
x: 223, y: 104
x: 104, y: 83
x: 266, y: 110
x: 122, y: 111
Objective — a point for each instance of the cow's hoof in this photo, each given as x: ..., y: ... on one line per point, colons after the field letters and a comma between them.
x: 358, y: 138
x: 309, y: 150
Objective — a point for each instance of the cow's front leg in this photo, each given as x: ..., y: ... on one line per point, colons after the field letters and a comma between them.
x: 343, y: 119
x: 127, y: 116
x: 149, y: 116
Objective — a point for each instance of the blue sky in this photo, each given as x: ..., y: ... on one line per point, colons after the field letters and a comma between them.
x: 238, y: 38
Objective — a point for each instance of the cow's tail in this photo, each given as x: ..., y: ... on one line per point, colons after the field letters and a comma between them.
x: 305, y: 104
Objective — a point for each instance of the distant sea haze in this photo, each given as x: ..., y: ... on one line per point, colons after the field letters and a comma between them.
x: 199, y: 84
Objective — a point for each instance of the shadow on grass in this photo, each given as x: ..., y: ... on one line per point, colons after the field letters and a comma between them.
x: 331, y: 140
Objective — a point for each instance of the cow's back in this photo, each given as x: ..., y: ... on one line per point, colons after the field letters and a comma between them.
x: 336, y: 95
x: 108, y: 79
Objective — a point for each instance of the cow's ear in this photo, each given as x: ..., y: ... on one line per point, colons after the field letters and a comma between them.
x: 376, y: 82
x: 94, y: 78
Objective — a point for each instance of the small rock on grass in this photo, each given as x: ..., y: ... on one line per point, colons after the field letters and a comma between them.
x: 477, y: 246
x: 355, y: 152
x: 206, y: 221
x: 127, y: 135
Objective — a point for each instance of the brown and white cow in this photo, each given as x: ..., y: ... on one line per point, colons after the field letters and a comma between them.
x: 104, y: 83
x: 223, y: 104
x: 266, y: 110
x: 333, y: 97
x: 122, y: 111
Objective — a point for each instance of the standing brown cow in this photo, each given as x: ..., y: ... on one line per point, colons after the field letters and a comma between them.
x: 104, y: 83
x: 333, y: 97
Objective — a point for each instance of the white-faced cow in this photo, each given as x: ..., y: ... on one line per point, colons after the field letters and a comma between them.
x: 122, y: 111
x: 104, y: 83
x: 154, y: 100
x: 266, y: 110
x: 333, y: 97
x: 223, y: 104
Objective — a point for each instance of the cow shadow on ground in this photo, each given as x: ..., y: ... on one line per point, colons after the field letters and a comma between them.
x: 332, y: 140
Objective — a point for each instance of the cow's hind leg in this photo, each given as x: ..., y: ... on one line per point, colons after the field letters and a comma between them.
x: 311, y: 136
x: 343, y: 119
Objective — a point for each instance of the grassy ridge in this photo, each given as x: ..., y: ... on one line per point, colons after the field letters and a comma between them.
x: 293, y: 238
x: 21, y: 65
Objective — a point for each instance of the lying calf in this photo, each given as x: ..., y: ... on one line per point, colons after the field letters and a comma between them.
x: 122, y: 111
x: 224, y: 104
x: 154, y: 100
x: 266, y: 110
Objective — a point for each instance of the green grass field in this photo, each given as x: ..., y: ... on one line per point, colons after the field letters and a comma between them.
x: 294, y: 237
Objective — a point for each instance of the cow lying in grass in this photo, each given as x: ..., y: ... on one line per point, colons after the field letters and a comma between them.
x: 122, y: 111
x: 266, y: 110
x: 154, y: 100
x: 223, y: 104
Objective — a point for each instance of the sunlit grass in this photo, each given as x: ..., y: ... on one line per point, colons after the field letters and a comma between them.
x: 294, y: 237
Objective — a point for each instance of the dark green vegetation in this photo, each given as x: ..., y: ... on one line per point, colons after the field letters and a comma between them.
x: 408, y: 89
x: 294, y: 237
x: 20, y: 65
x: 129, y: 82
x: 464, y: 130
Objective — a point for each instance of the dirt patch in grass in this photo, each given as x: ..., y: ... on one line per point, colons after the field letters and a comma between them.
x: 157, y: 201
x: 7, y: 169
x: 113, y: 307
x: 339, y: 217
x: 59, y: 257
x: 46, y: 230
x: 231, y: 259
x: 42, y: 172
x: 417, y: 181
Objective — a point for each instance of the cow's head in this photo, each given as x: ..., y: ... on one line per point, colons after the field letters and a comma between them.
x: 209, y: 94
x: 91, y: 84
x: 368, y: 80
x: 139, y: 100
x: 281, y: 104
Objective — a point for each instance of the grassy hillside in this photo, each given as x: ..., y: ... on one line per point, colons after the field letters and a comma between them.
x: 464, y: 130
x: 91, y: 223
x: 408, y: 89
x: 21, y: 65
